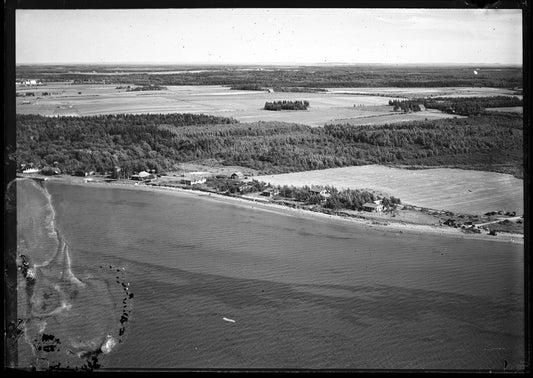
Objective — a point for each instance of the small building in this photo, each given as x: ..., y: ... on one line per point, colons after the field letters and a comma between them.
x: 269, y: 192
x: 50, y: 171
x: 237, y: 176
x: 321, y: 191
x: 373, y: 207
x: 245, y: 188
x: 116, y: 172
x: 30, y: 170
x: 143, y: 176
x: 192, y: 180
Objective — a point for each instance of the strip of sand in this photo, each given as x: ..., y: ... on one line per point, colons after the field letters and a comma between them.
x: 389, y: 225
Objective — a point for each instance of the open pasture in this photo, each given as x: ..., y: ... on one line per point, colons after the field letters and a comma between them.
x: 245, y: 106
x: 457, y: 190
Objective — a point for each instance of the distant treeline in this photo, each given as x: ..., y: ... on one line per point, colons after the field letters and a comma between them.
x: 146, y: 88
x: 257, y: 87
x: 286, y: 105
x: 139, y: 142
x: 319, y: 76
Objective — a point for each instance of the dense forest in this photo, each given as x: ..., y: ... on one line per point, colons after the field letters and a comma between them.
x: 138, y: 142
x: 470, y: 106
x: 272, y: 76
x: 286, y: 105
x: 466, y: 106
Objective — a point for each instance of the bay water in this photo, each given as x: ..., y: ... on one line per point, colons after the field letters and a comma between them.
x: 222, y: 285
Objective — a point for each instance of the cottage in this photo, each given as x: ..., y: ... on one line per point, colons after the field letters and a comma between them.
x: 373, y: 207
x: 321, y: 191
x: 143, y: 176
x: 269, y: 192
x: 237, y: 176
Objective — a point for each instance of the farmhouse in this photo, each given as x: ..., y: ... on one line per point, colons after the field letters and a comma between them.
x: 373, y: 207
x: 237, y: 175
x: 321, y: 191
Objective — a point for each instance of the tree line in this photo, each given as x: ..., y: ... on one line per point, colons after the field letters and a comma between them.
x: 325, y: 77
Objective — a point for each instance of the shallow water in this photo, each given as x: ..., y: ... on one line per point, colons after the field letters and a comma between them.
x: 304, y: 293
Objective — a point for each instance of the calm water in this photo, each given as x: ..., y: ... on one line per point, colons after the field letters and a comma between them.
x: 303, y: 293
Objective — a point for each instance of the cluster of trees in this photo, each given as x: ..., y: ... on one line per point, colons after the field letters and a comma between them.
x: 406, y: 106
x: 150, y: 87
x: 351, y: 199
x: 143, y: 142
x: 469, y: 106
x: 325, y: 77
x: 286, y: 105
x: 227, y: 185
x: 348, y: 199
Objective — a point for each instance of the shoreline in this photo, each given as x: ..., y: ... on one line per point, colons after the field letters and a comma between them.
x: 398, y: 227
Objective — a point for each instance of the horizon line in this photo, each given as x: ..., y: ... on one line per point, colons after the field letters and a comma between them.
x: 265, y: 63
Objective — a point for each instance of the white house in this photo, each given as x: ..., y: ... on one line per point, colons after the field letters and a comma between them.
x: 31, y: 170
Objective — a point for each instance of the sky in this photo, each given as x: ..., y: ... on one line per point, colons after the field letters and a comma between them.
x: 269, y: 36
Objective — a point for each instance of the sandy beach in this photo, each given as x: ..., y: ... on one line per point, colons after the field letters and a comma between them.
x: 390, y: 225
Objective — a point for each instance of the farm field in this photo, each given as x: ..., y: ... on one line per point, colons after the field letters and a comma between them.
x: 456, y: 190
x: 245, y: 106
x: 393, y: 117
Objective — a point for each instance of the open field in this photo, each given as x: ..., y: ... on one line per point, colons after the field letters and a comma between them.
x: 245, y: 106
x: 457, y: 190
